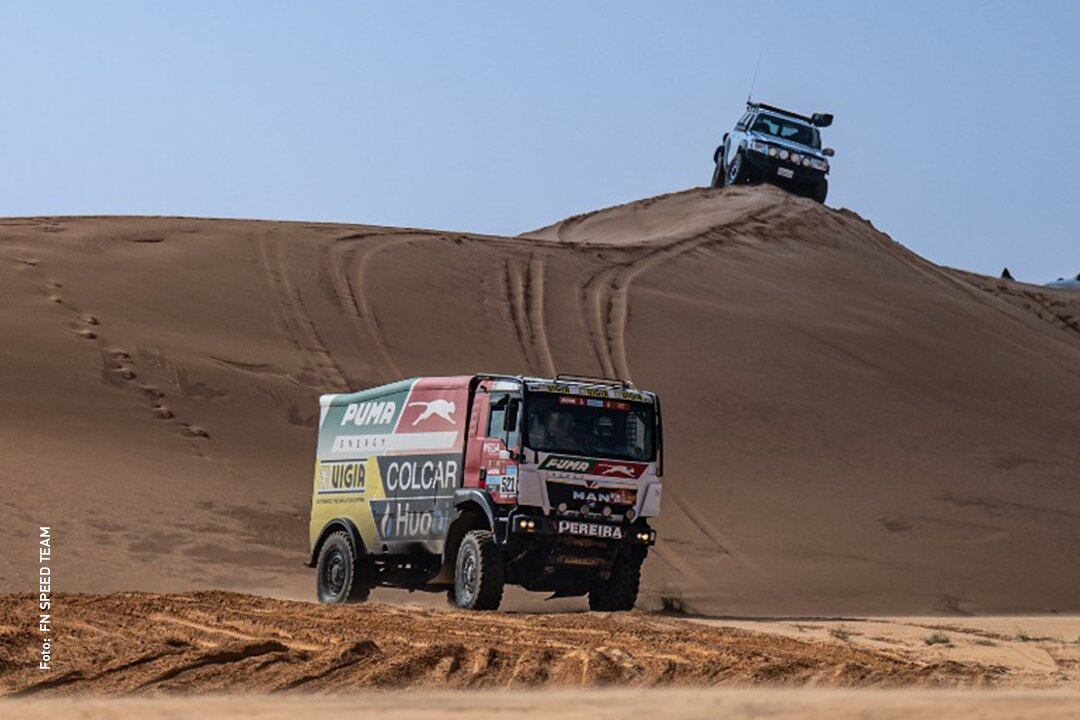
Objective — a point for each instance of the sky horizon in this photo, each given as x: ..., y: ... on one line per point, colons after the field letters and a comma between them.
x: 500, y: 118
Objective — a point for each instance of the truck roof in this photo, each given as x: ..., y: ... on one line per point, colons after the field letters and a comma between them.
x: 449, y: 382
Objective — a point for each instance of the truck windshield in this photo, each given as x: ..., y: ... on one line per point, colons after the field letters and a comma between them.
x: 595, y: 427
x: 787, y: 130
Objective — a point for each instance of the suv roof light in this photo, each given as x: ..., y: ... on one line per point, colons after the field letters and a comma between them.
x: 817, y: 119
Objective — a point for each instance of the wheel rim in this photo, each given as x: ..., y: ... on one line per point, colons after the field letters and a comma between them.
x: 467, y: 576
x: 334, y: 572
x: 733, y: 171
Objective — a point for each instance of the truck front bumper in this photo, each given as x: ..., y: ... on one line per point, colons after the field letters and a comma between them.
x: 525, y: 524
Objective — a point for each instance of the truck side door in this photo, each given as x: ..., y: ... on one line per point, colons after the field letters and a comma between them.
x: 501, y: 447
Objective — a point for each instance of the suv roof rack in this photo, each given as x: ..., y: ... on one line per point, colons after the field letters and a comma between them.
x: 817, y: 119
x: 594, y: 379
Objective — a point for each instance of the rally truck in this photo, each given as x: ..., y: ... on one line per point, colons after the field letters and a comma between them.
x: 465, y: 484
x: 773, y: 145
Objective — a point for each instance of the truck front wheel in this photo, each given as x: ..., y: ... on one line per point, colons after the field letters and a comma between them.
x: 340, y: 574
x: 619, y: 592
x: 479, y: 574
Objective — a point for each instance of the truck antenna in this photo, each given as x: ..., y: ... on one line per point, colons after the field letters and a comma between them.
x: 753, y: 80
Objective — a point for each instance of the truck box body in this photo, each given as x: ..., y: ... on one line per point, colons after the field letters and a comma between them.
x: 390, y: 459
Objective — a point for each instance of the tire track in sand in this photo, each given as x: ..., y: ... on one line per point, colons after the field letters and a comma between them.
x: 349, y: 257
x: 535, y: 311
x: 604, y: 297
x: 524, y: 290
x: 299, y: 328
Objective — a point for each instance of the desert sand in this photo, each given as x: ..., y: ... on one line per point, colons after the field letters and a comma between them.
x: 853, y: 432
x: 737, y: 704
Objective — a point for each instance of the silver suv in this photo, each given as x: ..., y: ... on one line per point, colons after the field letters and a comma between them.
x: 773, y: 145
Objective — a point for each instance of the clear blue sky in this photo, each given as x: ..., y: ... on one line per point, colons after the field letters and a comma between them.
x: 957, y: 130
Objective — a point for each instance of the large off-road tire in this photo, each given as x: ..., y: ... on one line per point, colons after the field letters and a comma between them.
x: 341, y: 574
x: 717, y: 175
x: 619, y: 592
x: 737, y: 173
x: 820, y: 191
x: 479, y: 573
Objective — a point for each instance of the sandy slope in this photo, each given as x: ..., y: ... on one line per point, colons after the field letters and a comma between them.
x: 851, y: 429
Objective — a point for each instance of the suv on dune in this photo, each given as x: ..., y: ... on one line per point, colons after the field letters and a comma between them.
x: 773, y: 145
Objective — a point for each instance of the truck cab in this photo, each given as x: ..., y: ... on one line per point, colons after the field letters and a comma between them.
x: 545, y: 483
x: 777, y: 146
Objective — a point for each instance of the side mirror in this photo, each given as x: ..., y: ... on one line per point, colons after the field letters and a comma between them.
x: 510, y: 421
x: 828, y: 152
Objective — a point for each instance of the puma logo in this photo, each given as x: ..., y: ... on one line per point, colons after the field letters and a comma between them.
x: 620, y: 469
x: 439, y: 407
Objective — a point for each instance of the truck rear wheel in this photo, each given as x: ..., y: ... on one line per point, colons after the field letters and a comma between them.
x: 619, y: 592
x: 479, y: 574
x: 340, y: 574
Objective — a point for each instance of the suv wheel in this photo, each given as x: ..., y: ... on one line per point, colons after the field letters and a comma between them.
x: 341, y: 576
x: 479, y: 574
x: 821, y: 190
x: 619, y: 592
x: 717, y: 177
x: 736, y: 172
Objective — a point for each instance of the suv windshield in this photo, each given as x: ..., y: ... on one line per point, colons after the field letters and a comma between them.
x: 596, y: 427
x: 787, y: 130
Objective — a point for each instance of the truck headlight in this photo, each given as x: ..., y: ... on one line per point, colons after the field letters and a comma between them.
x: 795, y: 158
x: 758, y: 146
x: 784, y: 154
x: 817, y: 164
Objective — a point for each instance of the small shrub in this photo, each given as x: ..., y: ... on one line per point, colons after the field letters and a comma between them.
x: 1024, y: 637
x: 937, y: 639
x: 840, y: 633
x: 671, y: 600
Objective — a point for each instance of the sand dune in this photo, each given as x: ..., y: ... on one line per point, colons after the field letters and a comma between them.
x: 851, y: 428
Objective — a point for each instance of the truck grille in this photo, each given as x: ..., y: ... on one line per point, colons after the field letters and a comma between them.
x: 574, y: 496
